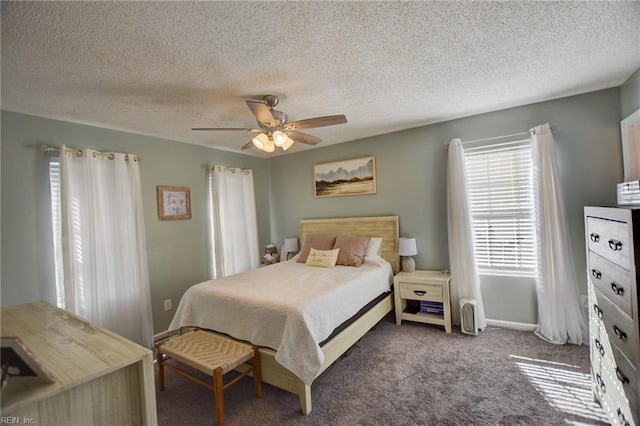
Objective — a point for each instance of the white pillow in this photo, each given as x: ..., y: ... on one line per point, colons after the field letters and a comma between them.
x: 322, y: 258
x: 375, y: 247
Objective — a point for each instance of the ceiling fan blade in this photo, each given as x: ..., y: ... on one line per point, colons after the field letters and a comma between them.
x: 262, y: 112
x: 309, y: 123
x: 248, y: 145
x: 227, y: 128
x: 304, y: 138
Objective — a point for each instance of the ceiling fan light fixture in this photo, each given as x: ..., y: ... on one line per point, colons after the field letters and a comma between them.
x: 279, y: 138
x: 260, y: 141
x: 285, y: 146
x: 269, y: 146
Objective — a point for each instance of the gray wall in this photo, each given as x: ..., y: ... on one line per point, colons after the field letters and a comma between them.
x: 630, y: 95
x: 412, y: 182
x: 411, y: 173
x: 177, y: 249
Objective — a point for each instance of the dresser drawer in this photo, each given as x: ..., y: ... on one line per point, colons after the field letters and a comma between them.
x: 417, y: 291
x: 612, y: 386
x: 610, y: 239
x: 619, y: 398
x: 622, y: 332
x: 612, y: 281
x: 626, y: 374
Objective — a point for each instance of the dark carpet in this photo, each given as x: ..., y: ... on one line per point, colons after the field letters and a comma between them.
x: 415, y: 374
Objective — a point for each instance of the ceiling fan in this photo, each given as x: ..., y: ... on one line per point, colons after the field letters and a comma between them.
x: 274, y: 130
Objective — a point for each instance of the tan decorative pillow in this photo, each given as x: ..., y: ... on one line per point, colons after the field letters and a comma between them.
x: 352, y: 249
x: 318, y: 242
x: 322, y: 258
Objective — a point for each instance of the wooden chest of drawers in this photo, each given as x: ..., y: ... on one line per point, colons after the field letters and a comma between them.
x: 613, y: 265
x: 100, y: 378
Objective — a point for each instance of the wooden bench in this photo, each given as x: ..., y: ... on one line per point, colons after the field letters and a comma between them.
x: 213, y: 355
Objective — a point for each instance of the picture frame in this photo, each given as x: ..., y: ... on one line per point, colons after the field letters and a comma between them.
x: 356, y: 176
x: 174, y: 202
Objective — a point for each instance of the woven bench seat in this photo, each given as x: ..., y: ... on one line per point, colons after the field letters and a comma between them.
x: 211, y: 354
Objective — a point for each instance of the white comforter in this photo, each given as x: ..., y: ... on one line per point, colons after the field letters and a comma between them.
x: 287, y: 306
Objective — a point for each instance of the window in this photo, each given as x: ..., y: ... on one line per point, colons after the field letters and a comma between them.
x: 56, y: 222
x: 500, y: 188
x: 233, y: 221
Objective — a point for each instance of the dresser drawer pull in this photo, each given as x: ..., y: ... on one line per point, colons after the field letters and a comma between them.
x: 623, y: 419
x: 594, y: 237
x: 621, y: 334
x: 596, y: 274
x: 601, y: 383
x: 598, y: 310
x: 622, y: 377
x: 419, y: 292
x: 617, y: 289
x: 599, y: 347
x: 615, y: 245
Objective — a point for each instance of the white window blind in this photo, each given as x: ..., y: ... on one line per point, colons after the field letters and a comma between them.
x: 56, y: 221
x: 500, y: 189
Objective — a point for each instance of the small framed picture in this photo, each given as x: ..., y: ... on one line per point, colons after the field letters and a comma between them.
x: 174, y: 203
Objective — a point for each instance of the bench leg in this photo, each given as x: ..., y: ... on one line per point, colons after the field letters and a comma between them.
x: 257, y: 372
x: 218, y: 388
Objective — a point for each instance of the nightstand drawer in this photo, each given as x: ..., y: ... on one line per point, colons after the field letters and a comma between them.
x: 414, y: 291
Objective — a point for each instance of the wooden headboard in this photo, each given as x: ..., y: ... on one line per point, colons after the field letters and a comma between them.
x: 381, y: 226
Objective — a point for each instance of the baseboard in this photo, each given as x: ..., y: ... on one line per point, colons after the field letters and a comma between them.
x: 522, y: 326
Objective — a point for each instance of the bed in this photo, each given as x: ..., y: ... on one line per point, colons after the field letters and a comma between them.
x: 301, y: 341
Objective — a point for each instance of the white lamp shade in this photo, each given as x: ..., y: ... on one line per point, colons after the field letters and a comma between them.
x: 291, y: 245
x: 287, y: 144
x: 407, y: 247
x: 260, y: 141
x: 279, y: 138
x: 269, y: 146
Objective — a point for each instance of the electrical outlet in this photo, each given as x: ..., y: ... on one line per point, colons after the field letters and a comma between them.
x: 167, y: 305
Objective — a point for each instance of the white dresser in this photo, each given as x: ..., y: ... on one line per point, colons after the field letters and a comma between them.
x: 613, y: 265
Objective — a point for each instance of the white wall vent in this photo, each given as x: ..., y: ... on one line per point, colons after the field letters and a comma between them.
x: 468, y: 317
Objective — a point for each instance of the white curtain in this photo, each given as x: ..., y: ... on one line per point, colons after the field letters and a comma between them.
x: 560, y: 318
x: 234, y: 224
x: 464, y: 273
x: 106, y: 276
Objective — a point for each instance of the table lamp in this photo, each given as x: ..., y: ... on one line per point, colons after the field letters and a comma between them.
x: 407, y: 248
x: 290, y: 246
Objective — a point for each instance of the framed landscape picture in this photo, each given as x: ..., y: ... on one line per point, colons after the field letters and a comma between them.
x: 174, y: 202
x: 347, y: 177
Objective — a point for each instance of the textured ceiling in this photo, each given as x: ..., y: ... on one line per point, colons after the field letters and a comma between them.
x: 161, y: 68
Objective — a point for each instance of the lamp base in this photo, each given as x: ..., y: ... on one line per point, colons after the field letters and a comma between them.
x: 408, y: 264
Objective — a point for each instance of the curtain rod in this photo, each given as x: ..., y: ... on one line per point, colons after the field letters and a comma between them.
x: 48, y: 148
x: 498, y: 137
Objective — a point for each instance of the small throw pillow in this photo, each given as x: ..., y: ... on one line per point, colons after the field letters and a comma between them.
x: 322, y: 258
x: 375, y: 247
x: 352, y: 249
x: 318, y: 242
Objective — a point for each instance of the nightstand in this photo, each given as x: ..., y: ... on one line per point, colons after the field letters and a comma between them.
x: 431, y: 287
